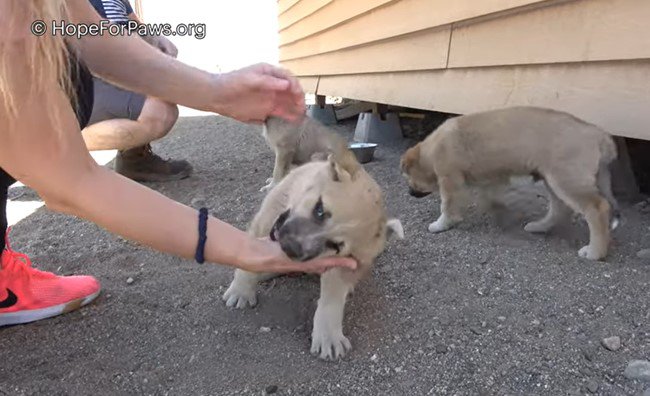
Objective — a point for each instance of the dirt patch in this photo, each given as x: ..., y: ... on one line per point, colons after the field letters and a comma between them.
x: 482, y: 309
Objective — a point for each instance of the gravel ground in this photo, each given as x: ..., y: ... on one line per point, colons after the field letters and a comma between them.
x: 484, y: 309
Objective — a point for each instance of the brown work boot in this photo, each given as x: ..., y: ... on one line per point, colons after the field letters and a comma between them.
x: 142, y: 165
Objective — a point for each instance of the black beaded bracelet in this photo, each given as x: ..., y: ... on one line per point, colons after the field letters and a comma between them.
x: 199, y: 256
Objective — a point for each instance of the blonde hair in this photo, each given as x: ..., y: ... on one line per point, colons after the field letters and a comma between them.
x: 47, y: 55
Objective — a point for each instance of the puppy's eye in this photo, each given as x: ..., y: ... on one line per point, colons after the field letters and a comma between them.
x: 319, y: 212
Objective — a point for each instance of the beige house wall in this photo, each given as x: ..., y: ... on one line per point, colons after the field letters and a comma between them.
x: 589, y: 57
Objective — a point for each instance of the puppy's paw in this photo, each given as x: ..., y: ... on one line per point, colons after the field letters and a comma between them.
x: 240, y: 296
x: 269, y: 185
x: 439, y: 225
x: 537, y: 227
x: 590, y: 253
x: 329, y: 345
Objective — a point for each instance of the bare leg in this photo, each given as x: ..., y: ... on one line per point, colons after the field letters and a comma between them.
x: 154, y: 122
x: 453, y: 195
x: 327, y: 336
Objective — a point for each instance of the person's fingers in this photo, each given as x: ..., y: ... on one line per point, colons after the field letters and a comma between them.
x: 286, y: 114
x: 285, y: 107
x: 276, y: 71
x: 270, y: 83
x: 329, y: 262
x: 296, y: 88
x: 294, y: 84
x: 318, y: 266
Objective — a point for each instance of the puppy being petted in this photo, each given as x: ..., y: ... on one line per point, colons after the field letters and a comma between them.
x: 322, y: 208
x: 294, y: 144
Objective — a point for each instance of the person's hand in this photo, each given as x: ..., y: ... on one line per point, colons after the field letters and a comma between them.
x: 264, y: 255
x: 166, y: 46
x: 254, y: 93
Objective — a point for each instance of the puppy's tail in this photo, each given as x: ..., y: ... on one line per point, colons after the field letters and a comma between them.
x: 604, y: 180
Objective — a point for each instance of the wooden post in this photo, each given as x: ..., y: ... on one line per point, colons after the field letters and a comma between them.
x: 320, y: 101
x: 381, y: 110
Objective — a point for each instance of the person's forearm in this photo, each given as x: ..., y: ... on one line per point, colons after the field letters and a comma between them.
x: 140, y: 214
x: 127, y: 60
x: 152, y: 40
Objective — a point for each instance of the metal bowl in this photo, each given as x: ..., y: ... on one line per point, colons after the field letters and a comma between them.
x: 363, y: 151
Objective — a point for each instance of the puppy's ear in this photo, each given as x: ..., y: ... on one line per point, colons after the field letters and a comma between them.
x: 394, y: 229
x: 343, y: 163
x: 410, y: 158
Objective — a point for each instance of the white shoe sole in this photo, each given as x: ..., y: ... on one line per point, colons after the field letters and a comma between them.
x: 32, y: 315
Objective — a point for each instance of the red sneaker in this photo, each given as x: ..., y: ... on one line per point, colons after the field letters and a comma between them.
x: 27, y: 294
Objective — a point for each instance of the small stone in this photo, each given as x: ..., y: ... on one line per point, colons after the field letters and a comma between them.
x: 638, y: 369
x: 535, y: 322
x: 592, y: 386
x: 271, y: 389
x: 586, y: 371
x: 399, y: 369
x: 145, y: 381
x: 588, y: 353
x: 129, y: 280
x: 643, y: 254
x: 265, y: 329
x: 612, y: 343
x: 441, y: 348
x: 501, y: 318
x: 476, y: 330
x: 373, y: 358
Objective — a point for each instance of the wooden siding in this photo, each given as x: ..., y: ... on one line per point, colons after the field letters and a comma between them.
x: 590, y: 57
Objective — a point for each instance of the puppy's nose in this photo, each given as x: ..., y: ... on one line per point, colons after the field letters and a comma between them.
x: 291, y: 248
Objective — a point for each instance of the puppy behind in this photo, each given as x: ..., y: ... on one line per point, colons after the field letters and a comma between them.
x: 322, y: 208
x: 294, y: 144
x: 481, y: 149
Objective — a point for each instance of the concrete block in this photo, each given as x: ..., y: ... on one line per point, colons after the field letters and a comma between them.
x: 371, y: 128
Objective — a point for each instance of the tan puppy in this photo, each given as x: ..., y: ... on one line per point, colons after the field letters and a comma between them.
x: 323, y: 208
x: 570, y: 155
x: 294, y: 144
